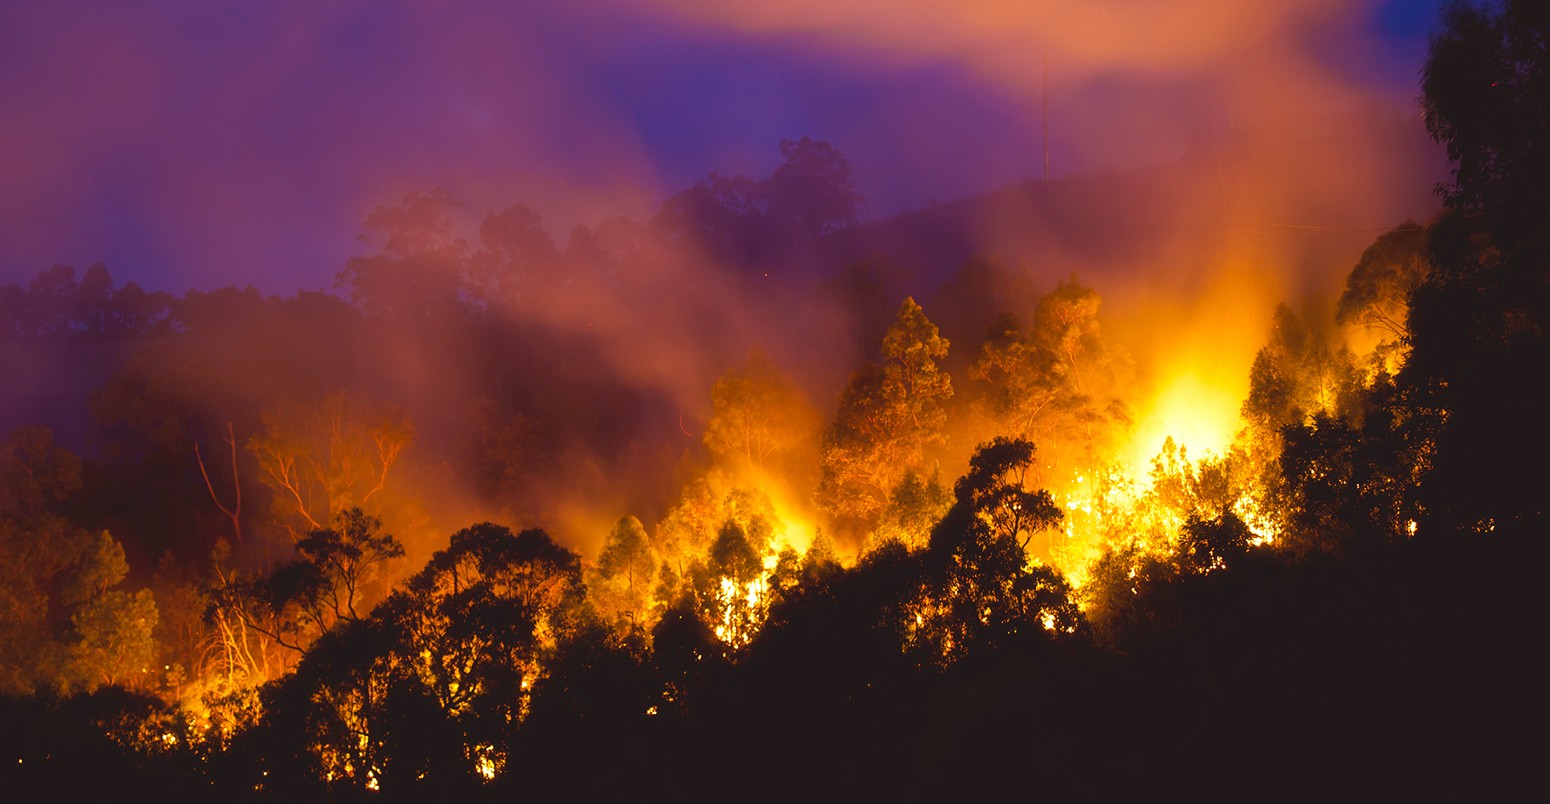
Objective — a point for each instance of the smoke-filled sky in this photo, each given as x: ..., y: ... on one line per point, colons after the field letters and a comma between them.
x: 189, y: 143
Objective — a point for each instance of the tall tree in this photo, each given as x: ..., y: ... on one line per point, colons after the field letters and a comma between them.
x: 35, y: 472
x: 335, y: 577
x: 980, y: 588
x: 756, y: 416
x: 1480, y: 323
x: 623, y: 581
x: 1058, y: 382
x: 1377, y: 291
x: 112, y: 627
x: 889, y: 415
x: 812, y: 193
x: 516, y: 260
x: 321, y: 457
x: 418, y: 270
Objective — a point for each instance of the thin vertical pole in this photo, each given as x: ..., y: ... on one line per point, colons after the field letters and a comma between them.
x: 1046, y: 113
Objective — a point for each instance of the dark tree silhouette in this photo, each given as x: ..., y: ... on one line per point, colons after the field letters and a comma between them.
x: 1478, y: 324
x: 418, y: 272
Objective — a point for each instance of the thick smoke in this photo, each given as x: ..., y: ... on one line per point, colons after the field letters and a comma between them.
x: 1211, y: 159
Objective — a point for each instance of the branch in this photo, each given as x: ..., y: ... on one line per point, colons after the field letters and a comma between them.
x: 234, y: 513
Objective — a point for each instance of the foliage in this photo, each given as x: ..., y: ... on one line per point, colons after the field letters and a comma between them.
x: 980, y: 589
x: 739, y: 221
x: 35, y: 473
x: 1057, y: 383
x: 888, y: 416
x: 1365, y: 543
x: 334, y: 578
x: 1478, y: 323
x: 1377, y: 291
x: 418, y: 272
x: 915, y: 505
x: 622, y: 583
x: 516, y: 257
x: 322, y: 457
x: 57, y: 308
x: 757, y: 417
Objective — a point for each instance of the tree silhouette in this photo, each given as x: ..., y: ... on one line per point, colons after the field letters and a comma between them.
x: 1478, y: 323
x: 981, y: 589
x: 1377, y: 291
x: 812, y: 193
x: 418, y: 272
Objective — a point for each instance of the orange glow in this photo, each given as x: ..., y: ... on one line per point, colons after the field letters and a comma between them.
x: 796, y: 523
x: 1198, y: 415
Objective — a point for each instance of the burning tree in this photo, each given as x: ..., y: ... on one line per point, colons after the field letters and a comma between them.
x: 623, y: 583
x: 888, y: 416
x: 437, y: 679
x: 757, y: 417
x: 335, y: 577
x: 1057, y: 383
x: 321, y: 457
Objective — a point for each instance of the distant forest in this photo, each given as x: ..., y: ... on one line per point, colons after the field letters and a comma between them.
x: 470, y: 529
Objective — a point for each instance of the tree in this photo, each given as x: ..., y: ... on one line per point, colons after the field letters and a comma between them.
x: 347, y: 556
x: 51, y: 297
x: 1297, y: 374
x: 1478, y: 324
x: 1377, y: 291
x: 622, y: 583
x: 756, y: 416
x: 1006, y: 512
x: 914, y: 507
x: 426, y: 693
x: 323, y: 457
x: 41, y: 562
x: 418, y: 272
x: 115, y: 644
x: 234, y: 511
x: 1207, y: 545
x: 729, y: 584
x: 328, y: 583
x: 739, y: 221
x: 1296, y: 377
x: 979, y: 587
x: 812, y: 193
x: 112, y: 628
x: 888, y: 416
x: 720, y: 215
x: 1058, y: 382
x: 34, y: 472
x: 516, y: 257
x: 1486, y: 97
x: 1020, y: 380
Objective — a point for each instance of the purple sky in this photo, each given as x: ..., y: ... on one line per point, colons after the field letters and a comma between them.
x: 199, y: 144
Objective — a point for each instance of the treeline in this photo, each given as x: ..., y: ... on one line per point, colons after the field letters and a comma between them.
x: 1343, y: 604
x: 957, y: 669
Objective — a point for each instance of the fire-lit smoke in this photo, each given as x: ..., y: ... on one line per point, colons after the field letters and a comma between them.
x: 1128, y: 82
x: 1209, y: 159
x: 707, y: 400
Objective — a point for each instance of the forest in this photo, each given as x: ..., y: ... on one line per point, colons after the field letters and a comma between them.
x: 504, y: 517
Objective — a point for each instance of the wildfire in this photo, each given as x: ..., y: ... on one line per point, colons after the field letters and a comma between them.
x: 1200, y: 416
x: 794, y: 524
x: 741, y: 607
x: 487, y: 763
